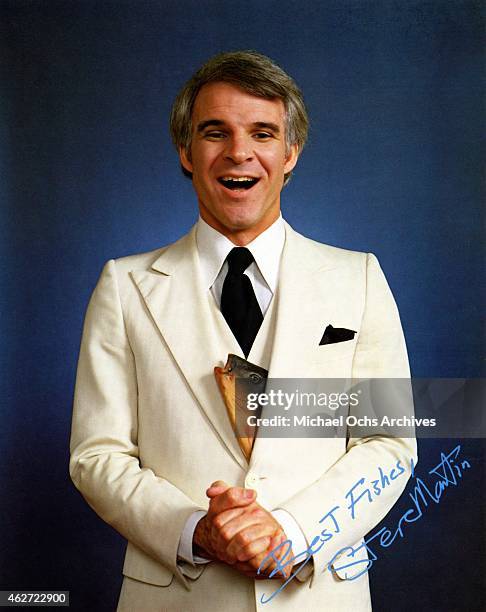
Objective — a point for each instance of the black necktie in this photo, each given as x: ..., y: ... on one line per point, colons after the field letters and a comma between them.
x: 238, y: 301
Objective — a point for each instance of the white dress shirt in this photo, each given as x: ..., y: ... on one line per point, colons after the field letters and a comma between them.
x: 213, y: 248
x: 266, y: 248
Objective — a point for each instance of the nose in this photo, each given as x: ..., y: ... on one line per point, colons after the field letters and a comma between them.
x: 238, y: 149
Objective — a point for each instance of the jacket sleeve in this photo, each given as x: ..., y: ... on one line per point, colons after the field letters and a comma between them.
x: 147, y: 510
x: 380, y: 353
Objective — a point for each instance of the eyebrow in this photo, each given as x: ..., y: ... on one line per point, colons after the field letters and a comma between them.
x: 204, y: 124
x: 267, y: 126
x: 218, y: 123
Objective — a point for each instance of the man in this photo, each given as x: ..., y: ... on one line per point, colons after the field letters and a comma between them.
x: 153, y: 450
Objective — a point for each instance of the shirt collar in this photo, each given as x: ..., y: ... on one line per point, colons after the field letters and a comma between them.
x: 266, y: 248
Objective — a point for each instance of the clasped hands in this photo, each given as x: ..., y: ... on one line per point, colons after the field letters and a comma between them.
x: 238, y: 531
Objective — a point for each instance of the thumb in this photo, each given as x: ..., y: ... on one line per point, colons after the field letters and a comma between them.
x: 216, y: 488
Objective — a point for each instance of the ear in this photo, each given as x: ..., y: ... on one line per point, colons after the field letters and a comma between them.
x: 291, y: 158
x: 184, y: 159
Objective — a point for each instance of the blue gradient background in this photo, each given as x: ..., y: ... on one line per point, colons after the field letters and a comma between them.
x: 88, y: 173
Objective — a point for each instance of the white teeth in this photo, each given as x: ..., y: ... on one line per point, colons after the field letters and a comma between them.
x: 239, y: 178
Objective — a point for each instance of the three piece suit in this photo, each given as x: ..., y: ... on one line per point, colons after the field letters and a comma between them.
x: 150, y: 430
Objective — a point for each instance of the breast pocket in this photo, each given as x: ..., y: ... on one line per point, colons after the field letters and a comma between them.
x: 337, y: 350
x: 333, y: 360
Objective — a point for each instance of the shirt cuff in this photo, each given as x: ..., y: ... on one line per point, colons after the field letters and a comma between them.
x: 184, y: 550
x: 299, y: 543
x: 292, y: 529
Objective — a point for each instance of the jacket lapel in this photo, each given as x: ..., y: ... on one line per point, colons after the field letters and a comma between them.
x: 305, y: 301
x: 197, y: 339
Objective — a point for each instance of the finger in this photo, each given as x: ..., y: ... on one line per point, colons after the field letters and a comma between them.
x: 278, y: 560
x: 276, y: 555
x: 279, y: 551
x: 231, y: 498
x: 216, y: 488
x: 220, y: 520
x: 249, y: 535
x: 238, y: 527
x: 282, y: 549
x: 277, y: 539
x: 256, y: 547
x: 233, y: 521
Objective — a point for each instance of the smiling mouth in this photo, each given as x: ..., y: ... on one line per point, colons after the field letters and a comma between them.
x: 238, y: 183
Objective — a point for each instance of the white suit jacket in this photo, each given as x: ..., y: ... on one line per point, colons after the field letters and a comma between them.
x: 150, y: 431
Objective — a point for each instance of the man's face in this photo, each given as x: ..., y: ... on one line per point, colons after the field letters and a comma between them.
x: 238, y: 159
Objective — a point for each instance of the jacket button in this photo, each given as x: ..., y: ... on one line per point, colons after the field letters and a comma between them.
x: 251, y: 480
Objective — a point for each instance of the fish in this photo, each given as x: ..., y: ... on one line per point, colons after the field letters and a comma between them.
x: 251, y: 379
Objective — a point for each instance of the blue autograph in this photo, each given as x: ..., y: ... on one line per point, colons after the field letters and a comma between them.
x: 449, y: 472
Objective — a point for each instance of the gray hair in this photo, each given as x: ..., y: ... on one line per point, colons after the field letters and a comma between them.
x: 255, y: 74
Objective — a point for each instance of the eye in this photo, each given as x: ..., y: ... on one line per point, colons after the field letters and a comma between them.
x: 263, y: 135
x: 214, y: 135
